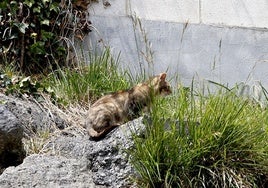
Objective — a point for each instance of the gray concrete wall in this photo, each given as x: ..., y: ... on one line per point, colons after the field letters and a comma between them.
x: 242, y: 13
x: 175, y: 36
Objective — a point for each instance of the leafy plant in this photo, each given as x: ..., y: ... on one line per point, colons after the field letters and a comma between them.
x: 12, y: 83
x: 32, y: 33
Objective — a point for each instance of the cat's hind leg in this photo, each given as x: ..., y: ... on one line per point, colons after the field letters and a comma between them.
x: 100, y: 127
x: 95, y: 135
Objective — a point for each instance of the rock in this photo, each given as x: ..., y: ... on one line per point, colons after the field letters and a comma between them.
x: 107, y: 159
x: 73, y: 160
x: 33, y: 116
x: 11, y: 133
x: 48, y: 171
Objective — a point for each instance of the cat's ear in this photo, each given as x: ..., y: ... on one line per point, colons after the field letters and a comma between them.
x: 163, y: 76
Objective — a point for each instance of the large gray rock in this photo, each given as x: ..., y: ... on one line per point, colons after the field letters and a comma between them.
x: 11, y: 133
x: 48, y: 171
x: 107, y: 158
x: 74, y: 160
x: 33, y: 116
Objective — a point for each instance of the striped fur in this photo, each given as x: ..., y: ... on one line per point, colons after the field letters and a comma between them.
x: 115, y: 109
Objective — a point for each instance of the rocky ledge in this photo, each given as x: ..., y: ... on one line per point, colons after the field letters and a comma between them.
x: 69, y: 158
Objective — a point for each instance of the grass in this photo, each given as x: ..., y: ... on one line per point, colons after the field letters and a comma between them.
x: 36, y: 143
x: 192, y: 140
x: 88, y: 82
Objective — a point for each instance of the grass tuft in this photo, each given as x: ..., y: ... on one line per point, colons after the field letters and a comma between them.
x: 192, y: 140
x: 88, y: 82
x: 36, y: 143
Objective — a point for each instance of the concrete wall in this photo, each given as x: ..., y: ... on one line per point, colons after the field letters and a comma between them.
x: 242, y: 13
x: 191, y: 38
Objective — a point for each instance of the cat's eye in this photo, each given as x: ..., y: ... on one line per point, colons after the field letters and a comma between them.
x: 165, y: 88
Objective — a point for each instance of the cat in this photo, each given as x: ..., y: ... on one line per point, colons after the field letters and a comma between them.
x: 117, y: 108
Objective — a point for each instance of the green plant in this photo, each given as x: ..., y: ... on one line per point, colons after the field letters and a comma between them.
x: 192, y: 140
x: 32, y: 33
x: 88, y: 82
x: 12, y: 83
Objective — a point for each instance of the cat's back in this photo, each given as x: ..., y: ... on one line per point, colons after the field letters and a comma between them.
x: 113, y: 98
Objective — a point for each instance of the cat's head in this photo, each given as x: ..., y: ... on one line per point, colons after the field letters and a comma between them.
x: 160, y: 86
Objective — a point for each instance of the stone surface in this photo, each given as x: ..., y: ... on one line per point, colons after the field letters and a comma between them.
x: 32, y: 116
x: 48, y: 171
x: 69, y: 158
x: 74, y: 160
x: 107, y: 158
x: 11, y: 133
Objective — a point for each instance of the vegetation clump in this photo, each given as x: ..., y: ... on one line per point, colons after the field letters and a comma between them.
x: 217, y: 140
x: 33, y: 34
x: 86, y: 83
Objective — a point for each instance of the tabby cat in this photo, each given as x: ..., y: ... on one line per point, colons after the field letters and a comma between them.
x: 115, y: 109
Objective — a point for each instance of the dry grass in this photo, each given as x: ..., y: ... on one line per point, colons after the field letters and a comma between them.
x: 73, y: 115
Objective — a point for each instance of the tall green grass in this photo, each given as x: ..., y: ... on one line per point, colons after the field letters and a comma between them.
x: 88, y: 82
x: 192, y: 140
